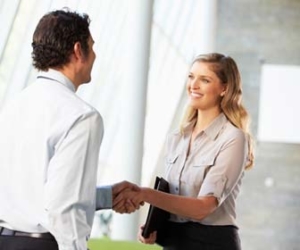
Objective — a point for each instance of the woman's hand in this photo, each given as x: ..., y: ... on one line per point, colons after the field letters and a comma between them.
x: 150, y: 240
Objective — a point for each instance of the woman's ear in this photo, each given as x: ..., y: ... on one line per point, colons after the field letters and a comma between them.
x: 224, y: 91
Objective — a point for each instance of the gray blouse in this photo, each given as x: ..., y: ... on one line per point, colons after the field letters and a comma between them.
x: 214, y: 166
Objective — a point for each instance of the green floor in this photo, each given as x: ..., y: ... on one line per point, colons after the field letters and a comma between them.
x: 106, y: 244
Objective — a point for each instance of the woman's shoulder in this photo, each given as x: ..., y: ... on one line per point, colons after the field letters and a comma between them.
x: 173, y: 138
x: 232, y: 131
x: 175, y: 132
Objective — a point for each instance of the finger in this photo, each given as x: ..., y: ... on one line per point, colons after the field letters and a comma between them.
x: 130, y: 207
x: 120, y: 210
x: 130, y: 203
x: 140, y: 231
x: 151, y: 239
x: 119, y: 198
x: 119, y: 206
x: 136, y: 200
x: 140, y: 237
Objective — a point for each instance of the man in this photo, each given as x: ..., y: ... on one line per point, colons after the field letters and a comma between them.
x: 50, y: 140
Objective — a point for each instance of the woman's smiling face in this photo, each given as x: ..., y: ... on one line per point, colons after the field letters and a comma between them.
x: 204, y: 88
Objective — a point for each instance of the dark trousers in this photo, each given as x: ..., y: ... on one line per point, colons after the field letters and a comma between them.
x: 26, y: 243
x: 195, y: 236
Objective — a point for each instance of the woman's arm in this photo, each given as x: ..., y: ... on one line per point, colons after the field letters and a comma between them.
x: 194, y: 208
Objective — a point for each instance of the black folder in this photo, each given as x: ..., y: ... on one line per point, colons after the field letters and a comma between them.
x: 157, y: 218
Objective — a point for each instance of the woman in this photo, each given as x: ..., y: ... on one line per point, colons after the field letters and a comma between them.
x: 206, y: 159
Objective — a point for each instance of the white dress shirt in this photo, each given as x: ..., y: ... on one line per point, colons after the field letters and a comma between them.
x: 49, y: 146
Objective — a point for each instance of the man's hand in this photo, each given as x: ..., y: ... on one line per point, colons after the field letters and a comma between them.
x: 121, y: 202
x: 121, y: 186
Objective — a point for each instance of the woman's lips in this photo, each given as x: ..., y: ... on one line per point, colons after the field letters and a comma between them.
x: 196, y: 95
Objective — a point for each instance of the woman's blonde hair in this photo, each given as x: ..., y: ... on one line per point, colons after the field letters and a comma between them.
x: 231, y: 104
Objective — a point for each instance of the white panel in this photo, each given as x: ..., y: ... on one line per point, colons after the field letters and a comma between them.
x: 279, y: 116
x: 18, y: 52
x: 8, y: 9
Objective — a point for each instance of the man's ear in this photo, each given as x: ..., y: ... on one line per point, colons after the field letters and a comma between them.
x: 78, y: 51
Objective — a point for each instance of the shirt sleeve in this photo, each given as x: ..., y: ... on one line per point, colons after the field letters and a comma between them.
x: 70, y: 188
x: 103, y: 197
x: 227, y: 169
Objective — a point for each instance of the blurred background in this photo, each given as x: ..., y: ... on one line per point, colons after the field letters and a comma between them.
x: 144, y: 49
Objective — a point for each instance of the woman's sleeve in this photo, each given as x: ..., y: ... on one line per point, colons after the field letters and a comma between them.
x: 227, y: 169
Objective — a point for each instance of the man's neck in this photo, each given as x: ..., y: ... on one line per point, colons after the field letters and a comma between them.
x: 68, y: 72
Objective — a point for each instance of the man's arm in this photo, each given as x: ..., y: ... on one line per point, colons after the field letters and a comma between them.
x: 104, y: 197
x: 71, y: 182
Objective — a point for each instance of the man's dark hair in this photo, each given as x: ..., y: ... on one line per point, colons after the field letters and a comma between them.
x: 55, y: 36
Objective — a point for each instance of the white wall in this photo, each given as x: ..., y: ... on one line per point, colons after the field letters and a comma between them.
x: 279, y: 115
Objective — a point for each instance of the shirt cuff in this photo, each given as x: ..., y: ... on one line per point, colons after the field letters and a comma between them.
x: 103, y: 197
x: 214, y: 187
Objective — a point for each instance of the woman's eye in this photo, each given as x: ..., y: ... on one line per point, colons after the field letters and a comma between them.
x: 205, y: 81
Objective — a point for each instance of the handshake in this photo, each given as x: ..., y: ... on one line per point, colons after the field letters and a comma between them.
x: 127, y: 197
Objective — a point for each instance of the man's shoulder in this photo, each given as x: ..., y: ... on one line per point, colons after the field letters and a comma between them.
x: 61, y: 97
x: 56, y: 101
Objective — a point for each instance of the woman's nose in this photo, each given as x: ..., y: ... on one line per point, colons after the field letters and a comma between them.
x: 194, y: 84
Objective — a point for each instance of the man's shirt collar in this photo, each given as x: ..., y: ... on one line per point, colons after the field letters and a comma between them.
x: 57, y: 76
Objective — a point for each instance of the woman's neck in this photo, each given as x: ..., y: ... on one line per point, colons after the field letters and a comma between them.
x: 205, y: 118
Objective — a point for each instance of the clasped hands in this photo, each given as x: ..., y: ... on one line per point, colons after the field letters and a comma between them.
x: 126, y: 197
